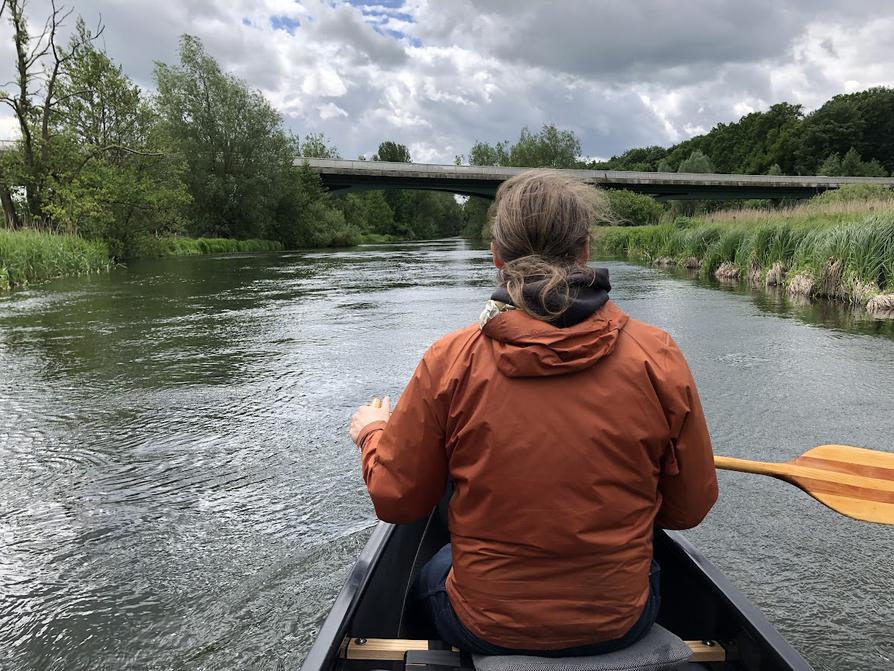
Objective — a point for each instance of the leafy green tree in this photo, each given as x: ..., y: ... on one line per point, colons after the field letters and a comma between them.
x: 698, y: 162
x: 550, y: 148
x: 646, y: 159
x: 120, y: 181
x: 379, y: 214
x: 876, y: 109
x: 482, y: 153
x: 832, y: 129
x: 307, y: 217
x: 33, y: 100
x: 852, y: 165
x: 237, y: 153
x: 774, y: 170
x: 392, y: 152
x: 474, y: 218
x: 632, y: 209
x: 315, y: 145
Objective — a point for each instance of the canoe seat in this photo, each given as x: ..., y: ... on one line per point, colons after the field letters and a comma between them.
x: 658, y: 650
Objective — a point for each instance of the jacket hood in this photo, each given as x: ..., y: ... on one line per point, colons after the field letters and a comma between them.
x: 588, y: 288
x: 527, y: 347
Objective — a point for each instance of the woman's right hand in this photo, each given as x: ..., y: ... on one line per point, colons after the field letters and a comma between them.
x: 367, y: 414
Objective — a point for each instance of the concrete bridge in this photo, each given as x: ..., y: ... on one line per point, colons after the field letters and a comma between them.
x: 342, y: 176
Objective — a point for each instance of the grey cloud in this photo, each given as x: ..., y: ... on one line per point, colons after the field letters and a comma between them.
x: 346, y: 27
x: 829, y: 46
x: 619, y: 40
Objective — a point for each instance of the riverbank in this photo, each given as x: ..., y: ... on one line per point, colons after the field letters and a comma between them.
x: 30, y: 257
x: 826, y: 248
x: 175, y: 246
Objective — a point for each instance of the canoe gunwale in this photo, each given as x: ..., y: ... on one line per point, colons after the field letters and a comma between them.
x: 331, y: 636
x: 752, y: 622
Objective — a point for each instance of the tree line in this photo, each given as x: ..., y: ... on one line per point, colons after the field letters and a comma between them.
x: 851, y: 134
x: 203, y: 156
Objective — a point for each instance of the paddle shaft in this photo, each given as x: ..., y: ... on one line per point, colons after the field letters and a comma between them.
x: 747, y: 466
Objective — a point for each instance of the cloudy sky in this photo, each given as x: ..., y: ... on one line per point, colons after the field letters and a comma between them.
x: 437, y: 75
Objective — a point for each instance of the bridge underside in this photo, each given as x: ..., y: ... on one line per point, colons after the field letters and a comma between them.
x: 488, y: 188
x: 342, y: 176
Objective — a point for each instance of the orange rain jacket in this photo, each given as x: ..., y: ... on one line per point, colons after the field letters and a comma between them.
x: 567, y: 446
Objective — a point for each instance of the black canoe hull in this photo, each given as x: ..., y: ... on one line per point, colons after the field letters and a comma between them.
x: 698, y: 602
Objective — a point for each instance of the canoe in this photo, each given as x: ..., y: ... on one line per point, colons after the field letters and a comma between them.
x: 368, y: 628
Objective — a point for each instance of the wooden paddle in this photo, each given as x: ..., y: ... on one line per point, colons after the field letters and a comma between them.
x: 853, y: 481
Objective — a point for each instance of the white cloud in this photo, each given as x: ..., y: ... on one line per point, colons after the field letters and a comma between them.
x: 331, y: 111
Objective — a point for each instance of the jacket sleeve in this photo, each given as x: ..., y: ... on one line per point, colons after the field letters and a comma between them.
x: 405, y: 460
x: 688, y: 480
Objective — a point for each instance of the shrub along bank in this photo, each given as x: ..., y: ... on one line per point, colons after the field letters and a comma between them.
x: 31, y: 256
x: 174, y: 246
x: 832, y: 247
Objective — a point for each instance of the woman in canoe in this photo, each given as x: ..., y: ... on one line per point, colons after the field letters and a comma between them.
x: 569, y: 431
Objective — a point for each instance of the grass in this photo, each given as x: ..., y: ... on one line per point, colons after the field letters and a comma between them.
x: 31, y: 256
x: 829, y: 247
x: 176, y: 246
x: 377, y: 238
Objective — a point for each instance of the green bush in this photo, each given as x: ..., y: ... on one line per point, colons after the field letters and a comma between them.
x: 176, y: 246
x: 633, y: 209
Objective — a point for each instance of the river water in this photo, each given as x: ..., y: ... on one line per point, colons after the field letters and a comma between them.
x: 178, y: 491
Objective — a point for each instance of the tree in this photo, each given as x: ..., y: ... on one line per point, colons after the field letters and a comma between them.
x: 379, y: 214
x: 550, y: 148
x: 876, y: 109
x: 832, y: 129
x: 482, y: 153
x: 632, y: 209
x: 119, y: 180
x: 392, y: 152
x: 852, y: 165
x: 645, y: 159
x: 316, y: 146
x: 38, y: 63
x: 698, y: 162
x: 238, y: 155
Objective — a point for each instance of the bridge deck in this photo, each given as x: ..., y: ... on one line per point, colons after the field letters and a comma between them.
x: 339, y: 175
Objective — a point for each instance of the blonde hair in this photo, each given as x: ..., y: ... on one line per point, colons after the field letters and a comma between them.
x: 541, y: 223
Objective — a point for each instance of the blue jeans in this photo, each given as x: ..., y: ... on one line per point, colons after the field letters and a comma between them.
x: 430, y: 594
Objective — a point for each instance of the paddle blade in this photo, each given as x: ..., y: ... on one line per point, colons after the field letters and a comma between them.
x: 853, y: 481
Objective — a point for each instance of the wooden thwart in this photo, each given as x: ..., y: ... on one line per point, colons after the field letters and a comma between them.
x: 394, y: 649
x: 853, y: 481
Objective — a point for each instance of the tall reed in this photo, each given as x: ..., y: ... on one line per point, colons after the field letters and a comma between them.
x: 838, y: 250
x: 29, y: 256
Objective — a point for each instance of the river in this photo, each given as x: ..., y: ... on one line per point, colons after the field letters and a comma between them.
x: 178, y: 490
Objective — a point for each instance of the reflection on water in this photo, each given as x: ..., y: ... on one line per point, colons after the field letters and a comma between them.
x: 177, y: 489
x: 831, y: 314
